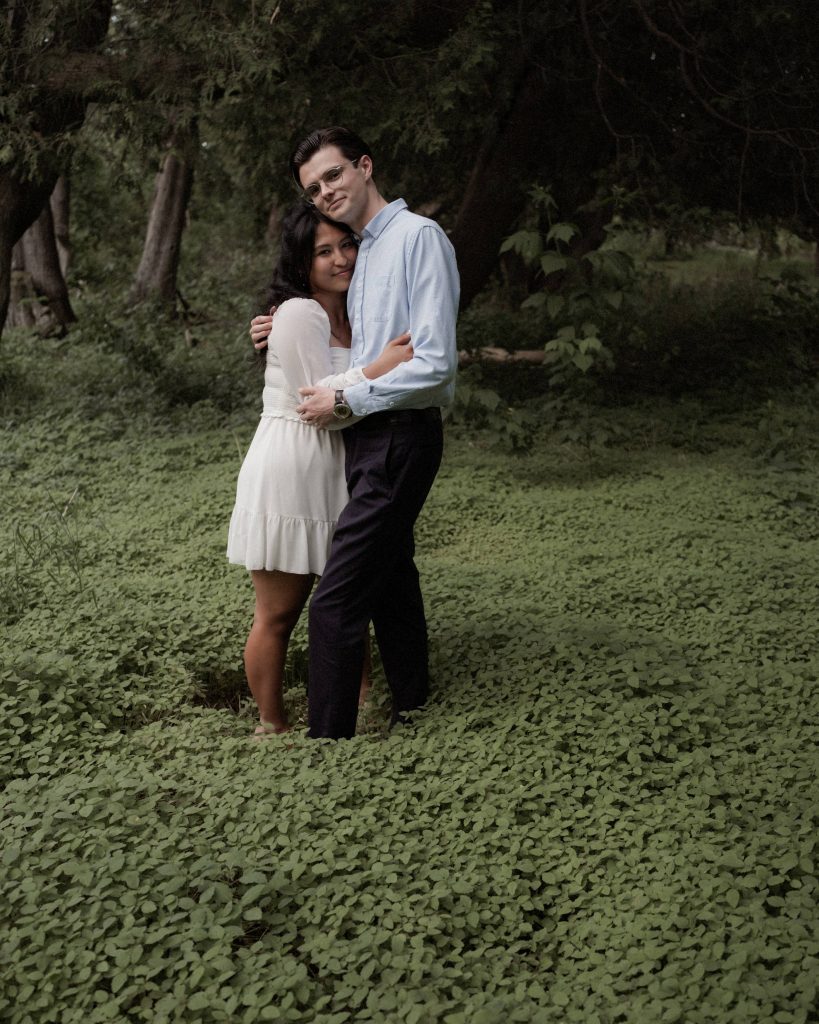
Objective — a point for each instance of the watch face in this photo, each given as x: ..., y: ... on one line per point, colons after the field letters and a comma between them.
x: 341, y: 411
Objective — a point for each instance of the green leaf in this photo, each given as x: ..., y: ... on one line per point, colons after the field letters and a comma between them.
x: 528, y: 245
x: 551, y: 262
x: 563, y: 231
x: 589, y: 344
x: 535, y: 301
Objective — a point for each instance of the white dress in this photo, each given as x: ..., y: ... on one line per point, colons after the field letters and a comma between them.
x: 291, y: 487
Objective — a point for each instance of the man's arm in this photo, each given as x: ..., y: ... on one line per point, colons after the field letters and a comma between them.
x: 432, y: 292
x: 317, y: 407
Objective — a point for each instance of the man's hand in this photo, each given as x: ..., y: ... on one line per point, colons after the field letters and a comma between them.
x: 260, y: 328
x: 317, y: 407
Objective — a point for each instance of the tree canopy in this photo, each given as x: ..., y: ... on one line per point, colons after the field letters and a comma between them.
x: 467, y: 103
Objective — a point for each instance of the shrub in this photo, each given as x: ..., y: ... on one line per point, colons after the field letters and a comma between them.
x: 757, y: 330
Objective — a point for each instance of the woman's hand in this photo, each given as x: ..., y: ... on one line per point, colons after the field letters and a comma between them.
x: 399, y: 350
x: 260, y: 328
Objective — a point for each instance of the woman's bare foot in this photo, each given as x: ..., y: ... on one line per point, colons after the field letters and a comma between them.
x: 264, y: 730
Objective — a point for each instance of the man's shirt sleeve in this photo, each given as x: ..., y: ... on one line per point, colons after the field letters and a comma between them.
x: 432, y: 290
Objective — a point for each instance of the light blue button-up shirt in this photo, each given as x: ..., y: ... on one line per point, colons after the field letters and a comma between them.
x: 405, y: 279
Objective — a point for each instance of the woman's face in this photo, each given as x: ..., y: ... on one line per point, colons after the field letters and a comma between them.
x: 334, y: 254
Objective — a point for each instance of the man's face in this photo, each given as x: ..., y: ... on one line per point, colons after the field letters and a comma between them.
x: 346, y: 198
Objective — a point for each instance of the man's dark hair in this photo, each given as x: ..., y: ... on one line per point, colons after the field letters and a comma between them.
x: 350, y: 144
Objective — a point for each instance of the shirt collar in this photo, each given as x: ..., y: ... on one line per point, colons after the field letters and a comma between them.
x: 383, y: 217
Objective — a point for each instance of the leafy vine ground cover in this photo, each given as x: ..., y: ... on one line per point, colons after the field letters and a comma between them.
x: 607, y: 813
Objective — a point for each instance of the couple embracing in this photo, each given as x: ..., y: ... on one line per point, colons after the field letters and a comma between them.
x: 361, y: 358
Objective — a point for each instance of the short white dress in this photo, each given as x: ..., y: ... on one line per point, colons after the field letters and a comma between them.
x: 291, y: 487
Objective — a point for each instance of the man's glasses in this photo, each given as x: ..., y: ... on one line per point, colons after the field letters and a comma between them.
x: 332, y: 176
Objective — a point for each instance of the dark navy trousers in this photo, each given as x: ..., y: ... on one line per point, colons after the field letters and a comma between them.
x: 391, y: 461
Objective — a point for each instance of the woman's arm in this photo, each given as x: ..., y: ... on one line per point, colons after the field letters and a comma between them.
x: 397, y: 351
x: 312, y: 356
x: 300, y: 336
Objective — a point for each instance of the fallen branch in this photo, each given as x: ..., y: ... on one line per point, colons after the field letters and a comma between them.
x: 495, y: 354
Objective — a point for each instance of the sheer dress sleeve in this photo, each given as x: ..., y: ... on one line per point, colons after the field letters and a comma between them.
x: 300, y: 336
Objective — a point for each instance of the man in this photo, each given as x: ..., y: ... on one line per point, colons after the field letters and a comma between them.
x: 405, y: 278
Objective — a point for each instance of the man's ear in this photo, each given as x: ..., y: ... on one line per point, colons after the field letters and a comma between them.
x: 366, y: 164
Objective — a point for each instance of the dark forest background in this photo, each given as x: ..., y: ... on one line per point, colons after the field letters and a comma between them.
x: 562, y: 145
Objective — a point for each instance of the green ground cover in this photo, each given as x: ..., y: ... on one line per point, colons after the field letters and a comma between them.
x: 607, y: 813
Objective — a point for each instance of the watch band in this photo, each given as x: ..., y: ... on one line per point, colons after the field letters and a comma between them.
x: 341, y: 409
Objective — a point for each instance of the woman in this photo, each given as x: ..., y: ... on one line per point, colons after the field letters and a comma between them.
x: 291, y: 486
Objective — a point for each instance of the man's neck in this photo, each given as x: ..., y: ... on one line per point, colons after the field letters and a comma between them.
x: 375, y: 205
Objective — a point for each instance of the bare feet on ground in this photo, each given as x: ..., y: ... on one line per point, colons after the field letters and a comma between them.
x: 264, y: 730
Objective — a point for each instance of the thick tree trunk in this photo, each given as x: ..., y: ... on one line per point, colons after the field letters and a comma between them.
x: 495, y: 193
x: 53, y: 112
x: 156, y: 274
x: 25, y: 308
x: 6, y: 249
x: 20, y: 205
x: 60, y: 211
x: 39, y: 293
x: 532, y: 143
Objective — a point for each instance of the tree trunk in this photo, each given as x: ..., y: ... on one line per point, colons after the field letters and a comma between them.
x: 156, y: 274
x: 20, y: 205
x: 38, y: 284
x: 53, y: 113
x: 495, y: 193
x: 494, y: 354
x: 25, y: 309
x: 6, y: 249
x: 532, y: 143
x: 60, y: 211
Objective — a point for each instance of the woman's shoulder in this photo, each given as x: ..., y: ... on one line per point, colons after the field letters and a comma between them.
x: 298, y: 310
x: 299, y: 321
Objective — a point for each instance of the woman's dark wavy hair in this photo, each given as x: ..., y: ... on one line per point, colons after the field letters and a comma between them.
x: 291, y: 275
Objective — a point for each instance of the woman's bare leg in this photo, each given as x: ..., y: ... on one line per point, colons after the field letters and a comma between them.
x: 280, y: 597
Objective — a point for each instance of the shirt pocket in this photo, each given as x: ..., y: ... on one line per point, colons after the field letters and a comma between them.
x: 379, y: 299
